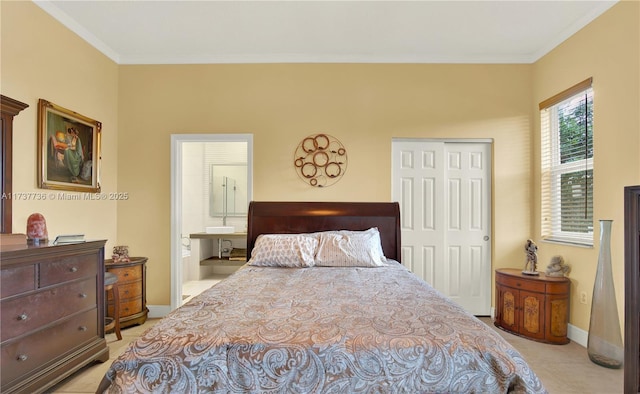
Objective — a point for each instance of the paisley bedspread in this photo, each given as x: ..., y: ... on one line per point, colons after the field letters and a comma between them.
x: 320, y: 330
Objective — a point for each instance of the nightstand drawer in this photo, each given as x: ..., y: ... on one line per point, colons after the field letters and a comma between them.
x: 131, y: 290
x: 131, y: 307
x: 522, y: 284
x: 127, y: 274
x: 557, y: 288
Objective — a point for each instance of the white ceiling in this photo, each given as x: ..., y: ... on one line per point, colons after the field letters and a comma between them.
x: 187, y: 32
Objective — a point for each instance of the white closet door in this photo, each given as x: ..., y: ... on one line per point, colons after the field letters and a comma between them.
x: 444, y: 191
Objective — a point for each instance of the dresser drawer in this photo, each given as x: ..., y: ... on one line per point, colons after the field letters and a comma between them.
x: 45, y: 346
x: 21, y: 315
x: 520, y: 283
x: 127, y: 274
x: 18, y: 280
x: 63, y: 269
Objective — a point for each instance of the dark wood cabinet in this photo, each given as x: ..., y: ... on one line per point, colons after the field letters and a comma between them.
x: 10, y: 108
x: 632, y: 289
x: 52, y: 308
x: 536, y: 307
x: 132, y: 282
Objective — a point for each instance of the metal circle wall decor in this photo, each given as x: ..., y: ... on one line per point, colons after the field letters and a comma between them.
x: 320, y: 160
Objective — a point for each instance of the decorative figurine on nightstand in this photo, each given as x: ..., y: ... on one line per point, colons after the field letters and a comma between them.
x: 120, y: 254
x: 531, y: 266
x: 557, y: 267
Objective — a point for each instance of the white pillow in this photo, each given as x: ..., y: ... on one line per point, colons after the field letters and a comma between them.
x: 350, y: 249
x: 284, y: 250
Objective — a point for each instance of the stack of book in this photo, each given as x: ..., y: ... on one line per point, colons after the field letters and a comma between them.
x: 68, y: 239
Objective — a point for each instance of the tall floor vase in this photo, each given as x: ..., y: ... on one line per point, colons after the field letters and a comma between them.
x: 605, y: 339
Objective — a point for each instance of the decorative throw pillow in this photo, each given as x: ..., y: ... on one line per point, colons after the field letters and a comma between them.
x: 350, y: 249
x: 284, y: 250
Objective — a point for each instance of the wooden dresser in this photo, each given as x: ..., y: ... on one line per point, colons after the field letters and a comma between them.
x: 132, y: 284
x: 52, y: 308
x: 536, y: 307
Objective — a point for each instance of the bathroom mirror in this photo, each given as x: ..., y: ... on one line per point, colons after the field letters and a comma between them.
x: 228, y: 190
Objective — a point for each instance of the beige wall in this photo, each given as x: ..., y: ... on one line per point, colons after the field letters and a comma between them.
x: 364, y: 106
x: 609, y: 51
x: 42, y: 59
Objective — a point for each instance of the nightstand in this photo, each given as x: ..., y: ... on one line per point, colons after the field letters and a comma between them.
x: 533, y: 306
x: 132, y: 290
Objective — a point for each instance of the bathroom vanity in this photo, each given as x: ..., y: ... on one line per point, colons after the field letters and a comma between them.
x: 222, y: 257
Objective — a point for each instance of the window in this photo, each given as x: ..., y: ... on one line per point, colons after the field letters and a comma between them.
x: 567, y: 165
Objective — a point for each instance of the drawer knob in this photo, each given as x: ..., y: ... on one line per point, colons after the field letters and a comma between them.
x: 74, y: 269
x: 126, y: 274
x: 23, y: 316
x: 518, y: 284
x: 22, y: 357
x: 82, y: 328
x: 83, y: 295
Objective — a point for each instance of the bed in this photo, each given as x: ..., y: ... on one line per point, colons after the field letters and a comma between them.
x: 324, y: 316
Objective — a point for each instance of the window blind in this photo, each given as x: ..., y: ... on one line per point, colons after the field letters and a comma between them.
x: 567, y: 165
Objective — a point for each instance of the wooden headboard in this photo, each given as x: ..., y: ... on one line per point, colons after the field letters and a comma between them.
x: 279, y: 217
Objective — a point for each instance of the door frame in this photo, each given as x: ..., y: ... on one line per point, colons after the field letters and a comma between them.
x: 176, y: 198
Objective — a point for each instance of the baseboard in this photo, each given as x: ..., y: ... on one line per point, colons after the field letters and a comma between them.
x: 578, y: 335
x: 158, y: 311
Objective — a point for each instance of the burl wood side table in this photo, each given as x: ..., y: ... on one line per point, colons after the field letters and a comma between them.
x: 132, y: 285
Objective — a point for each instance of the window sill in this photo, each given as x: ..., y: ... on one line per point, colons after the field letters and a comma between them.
x: 565, y: 242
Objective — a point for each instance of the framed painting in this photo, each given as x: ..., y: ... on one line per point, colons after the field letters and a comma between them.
x: 68, y: 149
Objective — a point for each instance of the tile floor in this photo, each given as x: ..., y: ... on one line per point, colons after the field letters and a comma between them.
x: 193, y: 288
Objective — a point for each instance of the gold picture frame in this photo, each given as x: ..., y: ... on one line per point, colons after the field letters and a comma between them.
x: 68, y: 149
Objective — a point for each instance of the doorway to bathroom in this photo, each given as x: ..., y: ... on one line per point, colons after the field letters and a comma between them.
x: 211, y: 187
